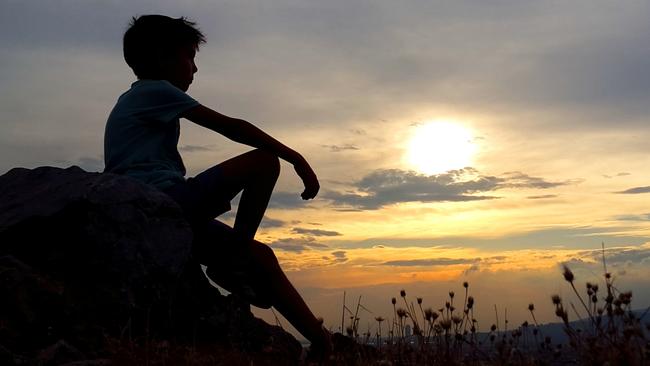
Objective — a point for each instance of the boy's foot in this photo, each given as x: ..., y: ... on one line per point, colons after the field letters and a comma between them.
x: 238, y: 283
x: 320, y: 351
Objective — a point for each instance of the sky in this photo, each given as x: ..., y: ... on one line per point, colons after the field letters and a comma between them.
x: 480, y: 141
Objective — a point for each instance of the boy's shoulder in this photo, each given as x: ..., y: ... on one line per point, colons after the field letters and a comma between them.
x: 159, y: 88
x: 151, y: 93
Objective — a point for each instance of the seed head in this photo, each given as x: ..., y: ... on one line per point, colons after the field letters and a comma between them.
x: 401, y: 313
x: 451, y: 294
x: 419, y: 300
x: 568, y: 275
x: 393, y: 300
x: 470, y: 302
x: 493, y: 327
x: 465, y: 284
x: 456, y: 319
x: 402, y: 293
x: 428, y: 314
x: 556, y: 299
x: 379, y: 319
x: 531, y: 306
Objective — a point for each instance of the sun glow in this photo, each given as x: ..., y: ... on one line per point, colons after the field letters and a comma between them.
x: 440, y: 146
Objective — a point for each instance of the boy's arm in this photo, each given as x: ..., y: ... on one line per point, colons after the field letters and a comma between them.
x: 244, y: 132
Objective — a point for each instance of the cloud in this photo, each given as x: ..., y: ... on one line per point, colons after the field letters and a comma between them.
x: 194, y: 148
x: 541, y: 197
x: 339, y: 148
x: 385, y: 187
x: 521, y: 180
x: 287, y: 200
x: 340, y: 256
x: 315, y: 232
x: 622, y: 174
x: 429, y: 262
x: 617, y: 256
x: 272, y: 223
x: 471, y: 269
x: 642, y: 217
x: 297, y: 245
x: 636, y: 190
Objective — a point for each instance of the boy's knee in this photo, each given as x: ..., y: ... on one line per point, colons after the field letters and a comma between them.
x: 267, y: 161
x: 264, y: 252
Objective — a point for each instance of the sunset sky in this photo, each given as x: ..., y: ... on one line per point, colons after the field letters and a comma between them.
x: 479, y: 141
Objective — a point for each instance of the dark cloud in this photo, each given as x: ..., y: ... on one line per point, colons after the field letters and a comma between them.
x: 642, y: 217
x: 385, y: 187
x: 272, y: 223
x: 339, y: 148
x: 541, y: 197
x: 297, y: 244
x: 340, y: 256
x: 521, y: 180
x: 315, y: 232
x: 429, y: 262
x: 287, y: 200
x: 636, y: 190
x: 194, y: 148
x: 617, y: 256
x: 471, y: 269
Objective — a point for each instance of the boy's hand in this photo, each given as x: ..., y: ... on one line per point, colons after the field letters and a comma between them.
x: 308, y: 177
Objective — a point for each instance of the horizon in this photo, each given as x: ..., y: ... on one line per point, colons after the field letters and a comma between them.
x: 454, y: 142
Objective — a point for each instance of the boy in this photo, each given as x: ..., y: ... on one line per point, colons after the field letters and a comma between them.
x: 141, y: 140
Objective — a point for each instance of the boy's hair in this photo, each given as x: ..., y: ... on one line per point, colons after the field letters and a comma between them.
x: 151, y: 38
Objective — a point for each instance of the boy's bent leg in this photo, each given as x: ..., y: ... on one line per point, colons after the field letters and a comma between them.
x: 269, y: 278
x: 264, y: 275
x: 254, y: 174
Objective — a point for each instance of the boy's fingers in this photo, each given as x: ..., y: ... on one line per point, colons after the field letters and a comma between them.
x: 309, y: 193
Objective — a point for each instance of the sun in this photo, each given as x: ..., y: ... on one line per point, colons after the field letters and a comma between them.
x: 440, y: 146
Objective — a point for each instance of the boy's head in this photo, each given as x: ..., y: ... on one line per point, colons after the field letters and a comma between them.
x: 163, y: 48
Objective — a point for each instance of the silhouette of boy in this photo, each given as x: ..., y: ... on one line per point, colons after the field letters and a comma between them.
x: 141, y: 140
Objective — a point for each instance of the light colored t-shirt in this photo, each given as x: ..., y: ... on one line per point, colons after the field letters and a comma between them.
x: 142, y: 132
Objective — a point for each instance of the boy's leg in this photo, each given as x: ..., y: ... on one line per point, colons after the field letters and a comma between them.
x: 254, y: 174
x: 265, y: 276
x: 208, y: 194
x: 284, y: 296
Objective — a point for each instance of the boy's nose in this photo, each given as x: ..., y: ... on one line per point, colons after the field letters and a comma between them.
x: 194, y: 68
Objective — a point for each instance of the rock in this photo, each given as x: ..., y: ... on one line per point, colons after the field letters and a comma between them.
x: 88, y: 257
x: 59, y: 353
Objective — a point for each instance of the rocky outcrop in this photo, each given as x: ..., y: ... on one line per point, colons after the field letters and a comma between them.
x: 89, y: 259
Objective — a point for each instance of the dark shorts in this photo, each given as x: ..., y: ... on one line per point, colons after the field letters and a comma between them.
x: 203, y: 198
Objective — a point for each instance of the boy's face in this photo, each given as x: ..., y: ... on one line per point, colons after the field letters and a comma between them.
x: 179, y: 68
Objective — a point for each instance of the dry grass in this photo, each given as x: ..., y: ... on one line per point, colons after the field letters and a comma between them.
x: 605, y: 331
